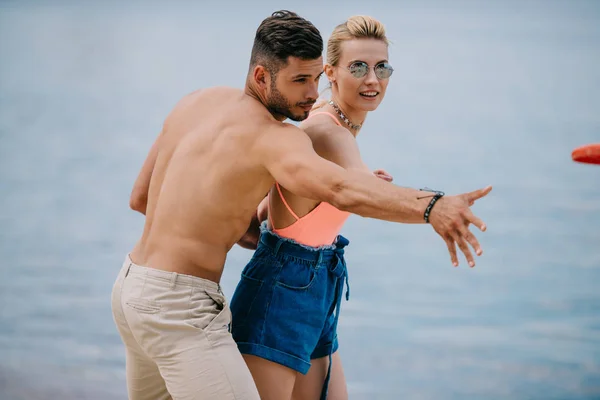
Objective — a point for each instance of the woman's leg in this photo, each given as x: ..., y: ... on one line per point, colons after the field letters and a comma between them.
x: 309, y: 386
x: 274, y: 381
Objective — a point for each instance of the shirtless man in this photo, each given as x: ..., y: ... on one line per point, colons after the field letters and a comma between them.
x: 219, y: 153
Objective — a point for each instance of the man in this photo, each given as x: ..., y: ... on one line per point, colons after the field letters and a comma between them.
x: 219, y: 152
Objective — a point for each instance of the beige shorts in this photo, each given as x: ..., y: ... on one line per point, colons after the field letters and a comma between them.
x: 176, y: 333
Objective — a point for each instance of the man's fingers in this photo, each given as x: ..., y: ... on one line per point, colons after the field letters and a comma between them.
x: 477, y: 194
x: 469, y: 216
x: 462, y: 245
x: 452, y: 251
x: 384, y: 177
x: 380, y: 173
x: 472, y: 240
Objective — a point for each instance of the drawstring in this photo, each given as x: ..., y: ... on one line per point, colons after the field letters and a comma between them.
x: 341, y: 272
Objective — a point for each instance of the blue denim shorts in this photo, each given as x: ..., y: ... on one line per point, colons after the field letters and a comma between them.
x: 286, y: 305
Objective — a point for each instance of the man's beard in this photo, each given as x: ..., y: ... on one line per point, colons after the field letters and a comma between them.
x: 278, y: 104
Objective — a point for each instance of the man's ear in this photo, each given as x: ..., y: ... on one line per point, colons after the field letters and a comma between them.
x: 261, y: 76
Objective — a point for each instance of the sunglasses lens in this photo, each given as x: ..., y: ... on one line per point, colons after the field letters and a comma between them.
x: 359, y: 69
x: 383, y: 70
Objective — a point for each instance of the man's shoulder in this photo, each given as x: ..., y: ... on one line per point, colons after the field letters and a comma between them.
x: 205, y: 99
x: 212, y: 92
x: 278, y: 134
x: 280, y: 128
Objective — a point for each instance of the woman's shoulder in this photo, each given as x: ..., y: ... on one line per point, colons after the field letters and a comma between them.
x: 329, y: 140
x: 322, y: 124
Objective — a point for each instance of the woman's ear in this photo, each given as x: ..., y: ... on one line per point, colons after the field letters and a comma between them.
x: 330, y: 71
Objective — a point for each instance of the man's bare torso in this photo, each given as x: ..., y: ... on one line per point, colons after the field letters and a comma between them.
x: 206, y: 184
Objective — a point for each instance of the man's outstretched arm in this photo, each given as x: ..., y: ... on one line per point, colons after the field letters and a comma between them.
x: 288, y: 155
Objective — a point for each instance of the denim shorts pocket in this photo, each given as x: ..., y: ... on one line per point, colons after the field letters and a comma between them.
x: 296, y: 275
x: 261, y: 266
x: 245, y: 294
x: 143, y: 306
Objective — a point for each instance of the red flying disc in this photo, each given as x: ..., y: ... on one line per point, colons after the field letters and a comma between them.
x: 589, y: 154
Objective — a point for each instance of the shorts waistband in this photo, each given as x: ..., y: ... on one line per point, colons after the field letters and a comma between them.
x: 292, y: 248
x: 172, y: 278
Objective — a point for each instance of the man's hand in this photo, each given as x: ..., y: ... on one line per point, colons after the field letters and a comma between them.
x: 250, y: 238
x: 451, y: 217
x: 383, y: 174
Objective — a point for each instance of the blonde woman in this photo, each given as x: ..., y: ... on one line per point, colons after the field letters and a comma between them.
x: 286, y: 306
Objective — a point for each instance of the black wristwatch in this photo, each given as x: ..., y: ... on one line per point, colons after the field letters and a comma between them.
x: 436, y: 196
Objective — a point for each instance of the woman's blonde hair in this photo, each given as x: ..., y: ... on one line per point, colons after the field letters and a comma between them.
x: 355, y: 27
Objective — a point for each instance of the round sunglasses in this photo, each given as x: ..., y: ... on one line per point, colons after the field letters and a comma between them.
x: 360, y: 69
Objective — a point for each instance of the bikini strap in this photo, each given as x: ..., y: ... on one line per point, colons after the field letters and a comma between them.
x: 285, y: 203
x: 327, y: 113
x: 269, y: 210
x: 277, y: 184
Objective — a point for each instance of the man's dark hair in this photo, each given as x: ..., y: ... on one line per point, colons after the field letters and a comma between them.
x: 285, y: 34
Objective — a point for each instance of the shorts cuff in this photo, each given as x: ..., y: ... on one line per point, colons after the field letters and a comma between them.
x: 275, y: 355
x: 325, y: 350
